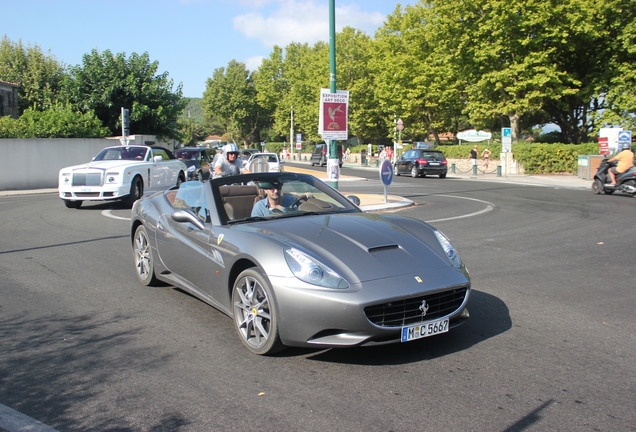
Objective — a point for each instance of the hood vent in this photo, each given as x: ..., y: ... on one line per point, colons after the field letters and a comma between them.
x: 377, y: 249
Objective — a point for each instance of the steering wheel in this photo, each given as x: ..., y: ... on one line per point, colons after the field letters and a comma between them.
x: 298, y: 202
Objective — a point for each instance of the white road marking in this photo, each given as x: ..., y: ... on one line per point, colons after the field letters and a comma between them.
x: 489, y: 207
x: 107, y: 213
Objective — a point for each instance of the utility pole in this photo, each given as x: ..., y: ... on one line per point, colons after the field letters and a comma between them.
x: 291, y: 134
x: 333, y: 144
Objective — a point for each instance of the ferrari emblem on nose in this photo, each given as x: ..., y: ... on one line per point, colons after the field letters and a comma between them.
x: 424, y: 307
x: 418, y: 279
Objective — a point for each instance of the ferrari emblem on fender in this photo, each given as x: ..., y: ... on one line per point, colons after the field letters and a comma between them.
x: 219, y: 240
x: 424, y: 307
x: 418, y: 279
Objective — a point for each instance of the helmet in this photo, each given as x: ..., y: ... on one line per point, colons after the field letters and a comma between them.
x: 230, y: 148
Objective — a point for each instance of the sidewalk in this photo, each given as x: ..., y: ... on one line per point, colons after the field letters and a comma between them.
x: 374, y: 202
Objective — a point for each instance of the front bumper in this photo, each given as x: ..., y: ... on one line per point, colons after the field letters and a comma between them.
x: 94, y: 193
x: 337, y: 318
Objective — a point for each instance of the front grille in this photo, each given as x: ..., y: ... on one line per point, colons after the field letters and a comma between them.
x: 404, y: 312
x: 87, y: 179
x: 87, y: 194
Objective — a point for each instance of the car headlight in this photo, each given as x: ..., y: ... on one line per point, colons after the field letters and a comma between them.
x: 191, y: 168
x: 312, y: 271
x: 450, y: 251
x: 111, y: 177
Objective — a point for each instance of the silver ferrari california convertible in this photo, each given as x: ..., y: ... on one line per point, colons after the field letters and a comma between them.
x: 296, y: 263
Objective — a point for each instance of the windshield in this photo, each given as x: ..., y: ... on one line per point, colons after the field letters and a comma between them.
x: 188, y: 154
x: 258, y: 197
x: 122, y: 153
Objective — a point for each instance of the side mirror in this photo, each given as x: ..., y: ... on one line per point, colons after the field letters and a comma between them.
x: 186, y: 215
x: 157, y: 158
x: 354, y: 199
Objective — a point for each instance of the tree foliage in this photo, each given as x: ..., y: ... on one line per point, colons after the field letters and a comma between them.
x: 106, y: 82
x: 39, y: 75
x: 59, y: 121
x: 230, y: 95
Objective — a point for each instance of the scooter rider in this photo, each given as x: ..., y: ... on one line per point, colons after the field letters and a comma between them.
x: 625, y: 159
x: 229, y: 164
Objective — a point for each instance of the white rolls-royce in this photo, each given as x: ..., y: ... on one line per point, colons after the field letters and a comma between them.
x: 121, y: 173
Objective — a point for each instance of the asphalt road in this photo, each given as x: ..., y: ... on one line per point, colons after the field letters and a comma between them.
x: 550, y: 344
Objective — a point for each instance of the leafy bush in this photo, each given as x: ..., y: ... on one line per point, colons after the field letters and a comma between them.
x: 535, y: 158
x: 57, y: 122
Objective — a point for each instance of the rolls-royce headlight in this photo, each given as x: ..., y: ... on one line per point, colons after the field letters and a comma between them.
x: 111, y: 177
x: 312, y: 271
x: 450, y: 251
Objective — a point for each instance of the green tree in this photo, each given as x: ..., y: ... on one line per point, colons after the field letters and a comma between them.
x: 618, y: 28
x: 230, y: 95
x: 417, y: 77
x: 59, y: 121
x: 39, y: 75
x: 106, y: 82
x: 354, y: 72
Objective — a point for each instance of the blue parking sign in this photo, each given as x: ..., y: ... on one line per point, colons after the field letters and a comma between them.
x: 624, y: 139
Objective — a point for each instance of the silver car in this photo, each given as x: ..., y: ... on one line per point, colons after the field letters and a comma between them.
x: 319, y: 272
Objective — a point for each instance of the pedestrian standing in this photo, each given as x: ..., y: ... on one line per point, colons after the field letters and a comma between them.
x: 473, y: 156
x: 485, y: 156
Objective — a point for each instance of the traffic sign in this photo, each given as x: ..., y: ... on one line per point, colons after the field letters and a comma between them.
x: 386, y: 172
x: 400, y: 124
x: 299, y: 138
x: 506, y: 140
x: 624, y: 139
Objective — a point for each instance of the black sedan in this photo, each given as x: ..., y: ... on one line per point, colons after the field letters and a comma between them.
x: 198, y: 161
x: 421, y: 162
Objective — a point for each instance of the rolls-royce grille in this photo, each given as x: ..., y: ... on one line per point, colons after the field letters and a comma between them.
x: 409, y: 311
x: 87, y: 179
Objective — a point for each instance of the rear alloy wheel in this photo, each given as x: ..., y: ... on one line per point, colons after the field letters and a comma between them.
x: 144, y: 261
x: 136, y: 190
x: 72, y: 204
x: 414, y: 173
x: 597, y: 187
x: 254, y: 313
x: 442, y: 175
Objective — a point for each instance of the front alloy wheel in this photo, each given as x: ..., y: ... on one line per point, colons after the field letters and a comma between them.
x: 142, y: 254
x: 254, y: 314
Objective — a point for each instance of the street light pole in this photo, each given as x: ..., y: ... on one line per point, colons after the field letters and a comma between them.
x: 333, y: 144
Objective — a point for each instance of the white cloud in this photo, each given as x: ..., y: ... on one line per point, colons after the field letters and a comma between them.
x: 304, y: 21
x: 253, y: 63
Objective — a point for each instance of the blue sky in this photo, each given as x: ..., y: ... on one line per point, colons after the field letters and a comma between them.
x: 189, y: 38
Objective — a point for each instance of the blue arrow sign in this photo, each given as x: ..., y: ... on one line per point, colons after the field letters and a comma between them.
x: 386, y: 172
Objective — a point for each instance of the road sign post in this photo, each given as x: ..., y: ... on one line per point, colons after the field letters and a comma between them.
x: 386, y: 176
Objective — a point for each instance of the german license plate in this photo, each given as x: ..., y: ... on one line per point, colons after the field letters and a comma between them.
x: 85, y: 190
x: 424, y: 329
x: 434, y: 163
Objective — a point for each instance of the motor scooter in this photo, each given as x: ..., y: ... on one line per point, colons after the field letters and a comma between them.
x: 625, y: 182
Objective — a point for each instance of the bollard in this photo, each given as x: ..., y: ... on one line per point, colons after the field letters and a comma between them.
x: 453, y: 168
x: 305, y: 158
x: 294, y: 157
x: 377, y: 163
x: 474, y: 169
x: 498, y: 170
